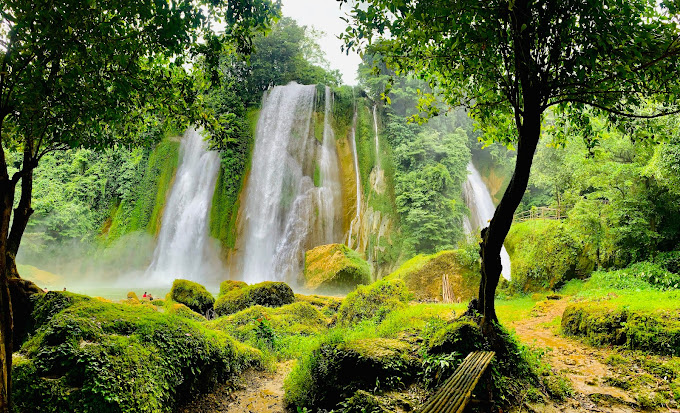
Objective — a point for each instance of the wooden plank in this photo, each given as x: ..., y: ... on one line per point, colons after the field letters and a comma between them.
x: 455, y: 393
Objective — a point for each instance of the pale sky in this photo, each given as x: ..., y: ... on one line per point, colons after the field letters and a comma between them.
x: 325, y: 15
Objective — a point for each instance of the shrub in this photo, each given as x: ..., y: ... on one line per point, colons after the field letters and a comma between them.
x: 93, y: 356
x: 268, y: 294
x: 639, y: 276
x: 193, y: 295
x: 669, y: 260
x: 373, y: 301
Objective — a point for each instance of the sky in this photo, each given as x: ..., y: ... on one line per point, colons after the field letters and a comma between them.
x: 325, y: 15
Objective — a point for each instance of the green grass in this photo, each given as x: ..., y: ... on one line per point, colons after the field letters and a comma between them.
x: 515, y: 309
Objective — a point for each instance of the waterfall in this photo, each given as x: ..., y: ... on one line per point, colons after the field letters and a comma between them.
x: 184, y: 249
x: 293, y: 195
x: 356, y: 221
x: 375, y: 134
x: 481, y: 207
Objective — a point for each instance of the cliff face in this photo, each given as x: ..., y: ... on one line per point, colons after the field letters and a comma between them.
x: 366, y: 218
x: 370, y: 204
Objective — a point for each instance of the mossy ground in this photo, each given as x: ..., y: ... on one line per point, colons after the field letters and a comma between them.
x: 89, y: 355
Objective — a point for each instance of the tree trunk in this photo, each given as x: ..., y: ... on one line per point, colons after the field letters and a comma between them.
x: 494, y: 235
x: 20, y: 289
x: 6, y: 319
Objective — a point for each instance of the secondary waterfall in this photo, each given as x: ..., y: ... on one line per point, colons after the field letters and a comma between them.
x: 481, y: 207
x: 293, y: 196
x: 354, y: 225
x: 183, y: 249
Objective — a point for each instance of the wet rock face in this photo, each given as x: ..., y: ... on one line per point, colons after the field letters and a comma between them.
x: 334, y: 268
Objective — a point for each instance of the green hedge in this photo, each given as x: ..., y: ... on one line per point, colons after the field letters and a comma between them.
x: 653, y: 331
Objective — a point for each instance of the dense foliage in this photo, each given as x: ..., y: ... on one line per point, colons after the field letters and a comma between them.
x: 616, y: 202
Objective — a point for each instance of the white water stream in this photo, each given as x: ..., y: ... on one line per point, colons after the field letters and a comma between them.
x: 356, y: 221
x: 481, y: 207
x: 293, y: 196
x: 184, y: 249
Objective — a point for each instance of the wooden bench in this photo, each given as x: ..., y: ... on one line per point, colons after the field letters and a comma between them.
x: 454, y: 395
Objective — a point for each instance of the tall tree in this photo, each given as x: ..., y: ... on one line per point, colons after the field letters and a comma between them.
x: 85, y: 73
x: 511, y: 60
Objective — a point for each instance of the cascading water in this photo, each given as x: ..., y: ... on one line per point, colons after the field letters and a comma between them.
x: 293, y: 196
x: 482, y: 209
x: 354, y: 225
x: 184, y: 249
x: 378, y: 171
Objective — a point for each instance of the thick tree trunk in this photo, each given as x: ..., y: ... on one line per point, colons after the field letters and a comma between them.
x: 6, y: 319
x: 494, y: 235
x: 15, y: 303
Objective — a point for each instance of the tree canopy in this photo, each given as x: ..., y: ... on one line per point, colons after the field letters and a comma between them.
x: 86, y: 73
x: 509, y: 61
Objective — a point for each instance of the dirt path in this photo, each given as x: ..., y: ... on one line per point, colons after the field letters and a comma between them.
x: 583, y: 365
x: 254, y: 392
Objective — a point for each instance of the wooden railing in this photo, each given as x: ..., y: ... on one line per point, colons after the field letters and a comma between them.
x: 540, y: 213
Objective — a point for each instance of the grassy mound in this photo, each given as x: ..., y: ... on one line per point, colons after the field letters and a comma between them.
x: 423, y: 275
x: 335, y: 267
x: 375, y: 300
x: 193, y: 295
x: 87, y: 355
x: 607, y: 323
x: 268, y: 294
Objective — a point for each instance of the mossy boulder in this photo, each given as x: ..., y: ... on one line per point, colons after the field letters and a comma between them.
x: 335, y: 267
x: 653, y: 331
x: 193, y: 295
x: 132, y: 296
x: 268, y: 294
x: 373, y: 301
x: 335, y: 371
x: 230, y: 285
x: 86, y: 355
x: 462, y: 336
x: 423, y: 275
